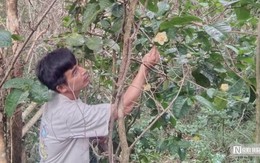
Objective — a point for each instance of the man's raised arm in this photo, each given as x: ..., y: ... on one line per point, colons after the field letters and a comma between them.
x: 136, y: 87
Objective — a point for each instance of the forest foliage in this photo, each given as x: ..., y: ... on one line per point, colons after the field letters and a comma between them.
x: 199, y: 99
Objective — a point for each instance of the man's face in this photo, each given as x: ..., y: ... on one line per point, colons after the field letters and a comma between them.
x: 77, y: 78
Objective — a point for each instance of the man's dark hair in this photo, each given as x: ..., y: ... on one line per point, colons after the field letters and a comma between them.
x: 51, y: 68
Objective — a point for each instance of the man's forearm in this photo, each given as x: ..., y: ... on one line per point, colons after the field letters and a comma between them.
x: 135, y: 89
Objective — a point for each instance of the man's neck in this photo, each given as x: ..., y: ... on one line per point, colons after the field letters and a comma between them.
x: 71, y: 95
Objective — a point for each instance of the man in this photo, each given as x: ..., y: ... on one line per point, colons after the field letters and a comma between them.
x: 67, y: 123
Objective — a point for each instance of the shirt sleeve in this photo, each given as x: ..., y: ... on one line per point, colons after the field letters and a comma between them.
x: 89, y: 120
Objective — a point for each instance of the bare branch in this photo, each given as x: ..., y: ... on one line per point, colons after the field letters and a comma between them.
x: 33, y: 44
x: 16, y: 56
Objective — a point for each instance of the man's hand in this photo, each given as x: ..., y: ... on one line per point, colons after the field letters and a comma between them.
x: 151, y: 58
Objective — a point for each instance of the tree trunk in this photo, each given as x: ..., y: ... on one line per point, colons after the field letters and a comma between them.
x: 12, y: 23
x: 127, y: 49
x: 2, y: 139
x: 257, y: 138
x: 258, y: 87
x: 16, y: 125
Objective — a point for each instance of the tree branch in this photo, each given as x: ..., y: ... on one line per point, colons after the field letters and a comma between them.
x: 16, y: 56
x: 126, y: 56
x: 127, y: 48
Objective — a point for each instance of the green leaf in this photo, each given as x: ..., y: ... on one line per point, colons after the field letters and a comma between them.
x: 233, y: 48
x: 117, y: 10
x: 90, y: 15
x: 249, y: 60
x: 17, y: 37
x: 205, y: 102
x: 39, y: 93
x: 5, y: 38
x: 236, y: 87
x: 151, y: 4
x: 104, y: 4
x: 75, y: 39
x: 162, y: 7
x: 12, y: 100
x: 180, y: 107
x: 105, y: 24
x: 183, y: 145
x: 67, y: 21
x: 150, y: 103
x: 211, y: 92
x: 200, y: 78
x: 182, y: 20
x: 88, y: 54
x: 94, y: 43
x: 242, y: 13
x: 163, y: 145
x: 143, y: 158
x: 182, y: 153
x: 112, y: 44
x: 223, y: 27
x: 159, y: 123
x: 19, y: 83
x: 79, y: 52
x: 220, y: 102
x: 172, y: 121
x: 217, y: 31
x: 227, y: 3
x: 204, y: 39
x: 24, y: 97
x: 173, y: 147
x: 117, y: 25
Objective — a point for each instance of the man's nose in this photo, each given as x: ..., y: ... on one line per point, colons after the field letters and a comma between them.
x: 83, y: 71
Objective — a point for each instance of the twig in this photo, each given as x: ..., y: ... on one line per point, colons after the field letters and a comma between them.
x: 16, y: 56
x: 94, y: 151
x: 241, y: 118
x: 32, y: 47
x: 151, y: 68
x: 34, y: 42
x: 151, y: 41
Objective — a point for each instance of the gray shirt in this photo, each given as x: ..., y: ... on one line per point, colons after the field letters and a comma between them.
x: 66, y: 126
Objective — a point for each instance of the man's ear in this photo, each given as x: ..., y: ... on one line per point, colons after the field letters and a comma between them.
x: 62, y: 88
